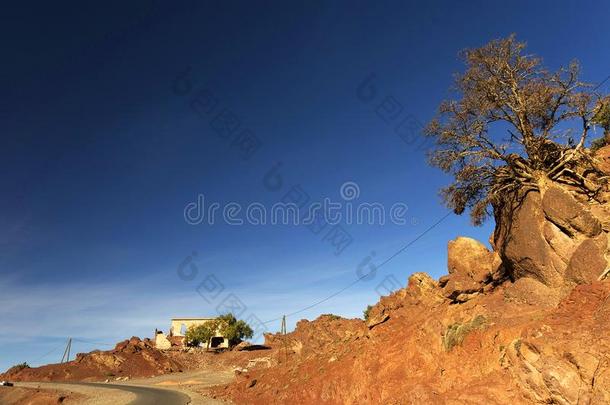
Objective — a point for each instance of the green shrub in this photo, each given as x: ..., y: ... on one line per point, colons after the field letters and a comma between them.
x: 226, y: 325
x: 602, y: 114
x: 367, y: 312
x: 456, y: 332
x: 17, y: 368
x: 602, y: 118
x: 197, y: 334
x: 233, y: 329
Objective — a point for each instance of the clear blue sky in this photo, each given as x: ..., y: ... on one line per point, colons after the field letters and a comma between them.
x: 100, y: 154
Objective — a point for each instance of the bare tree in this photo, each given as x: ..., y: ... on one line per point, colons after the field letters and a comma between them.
x: 513, y: 125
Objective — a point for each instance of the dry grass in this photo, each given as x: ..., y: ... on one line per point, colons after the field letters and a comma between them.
x: 456, y: 332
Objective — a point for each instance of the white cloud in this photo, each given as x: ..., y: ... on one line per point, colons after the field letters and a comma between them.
x: 38, y: 316
x: 113, y: 310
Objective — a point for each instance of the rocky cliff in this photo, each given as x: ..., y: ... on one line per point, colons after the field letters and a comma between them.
x: 526, y: 322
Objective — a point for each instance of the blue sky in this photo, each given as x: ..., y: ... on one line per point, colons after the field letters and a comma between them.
x: 100, y: 153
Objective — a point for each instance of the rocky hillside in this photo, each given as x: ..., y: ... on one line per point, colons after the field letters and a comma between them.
x: 493, y: 349
x: 130, y: 358
x: 525, y: 323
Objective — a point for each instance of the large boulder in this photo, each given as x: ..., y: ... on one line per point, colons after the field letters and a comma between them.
x: 602, y: 213
x: 602, y: 156
x: 422, y: 290
x: 552, y: 237
x: 559, y: 241
x: 572, y: 217
x: 588, y: 261
x: 521, y: 243
x: 471, y: 258
x: 472, y: 267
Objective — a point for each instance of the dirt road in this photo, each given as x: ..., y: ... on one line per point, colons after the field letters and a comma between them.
x: 75, y: 394
x: 190, y: 383
x: 170, y: 389
x: 146, y: 395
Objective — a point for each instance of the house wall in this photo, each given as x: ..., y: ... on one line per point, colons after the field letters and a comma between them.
x: 176, y: 328
x: 162, y: 342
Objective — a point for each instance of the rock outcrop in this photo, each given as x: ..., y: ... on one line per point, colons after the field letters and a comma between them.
x: 134, y: 357
x: 511, y: 345
x: 553, y: 236
x: 421, y: 290
x: 523, y: 323
x: 603, y: 159
x: 472, y: 268
x: 556, y: 362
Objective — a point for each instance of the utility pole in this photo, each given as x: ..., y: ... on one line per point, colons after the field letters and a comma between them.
x: 66, y: 355
x: 283, y: 332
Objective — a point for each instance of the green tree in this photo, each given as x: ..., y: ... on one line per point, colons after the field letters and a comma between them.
x: 197, y: 334
x: 602, y: 118
x: 512, y: 125
x: 18, y: 367
x: 367, y: 312
x: 233, y: 329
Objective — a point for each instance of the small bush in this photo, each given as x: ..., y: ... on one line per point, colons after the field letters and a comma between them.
x: 17, y: 368
x: 456, y: 332
x: 367, y: 312
x: 517, y: 345
x: 332, y: 317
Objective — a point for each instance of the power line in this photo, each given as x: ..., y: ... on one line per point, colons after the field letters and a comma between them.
x: 93, y: 343
x: 67, y: 348
x: 48, y: 353
x: 365, y: 275
x: 601, y: 83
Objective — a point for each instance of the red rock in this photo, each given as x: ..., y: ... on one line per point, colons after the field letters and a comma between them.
x: 588, y: 261
x: 603, y: 157
x: 561, y: 208
x: 471, y: 268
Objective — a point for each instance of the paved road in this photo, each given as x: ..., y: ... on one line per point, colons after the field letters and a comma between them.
x: 146, y: 395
